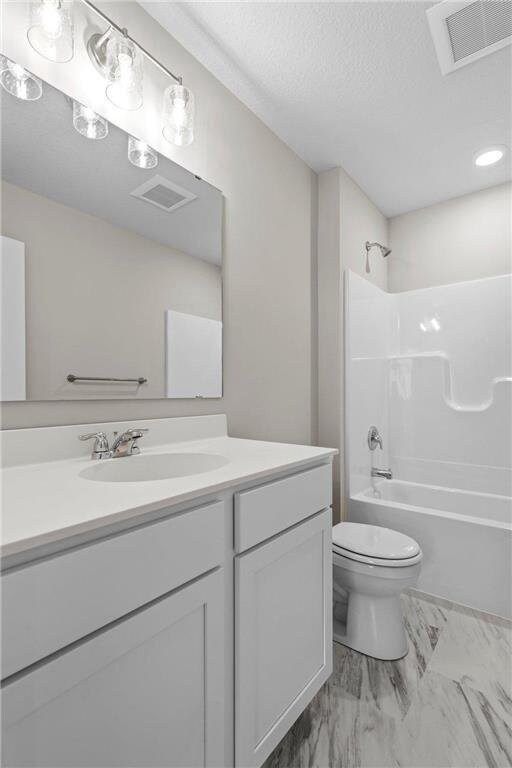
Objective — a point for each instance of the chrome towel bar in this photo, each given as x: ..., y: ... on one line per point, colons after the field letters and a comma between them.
x: 72, y: 378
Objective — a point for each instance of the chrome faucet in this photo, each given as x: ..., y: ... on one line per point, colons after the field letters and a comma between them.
x: 385, y: 473
x: 100, y: 449
x: 374, y: 439
x: 124, y: 445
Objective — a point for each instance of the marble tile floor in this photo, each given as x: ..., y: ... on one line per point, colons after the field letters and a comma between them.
x: 447, y: 704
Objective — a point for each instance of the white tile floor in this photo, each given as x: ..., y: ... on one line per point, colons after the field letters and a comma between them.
x: 448, y: 703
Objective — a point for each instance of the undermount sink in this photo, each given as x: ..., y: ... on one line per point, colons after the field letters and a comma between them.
x: 159, y: 466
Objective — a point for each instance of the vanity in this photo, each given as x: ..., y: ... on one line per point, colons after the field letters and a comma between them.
x: 161, y: 621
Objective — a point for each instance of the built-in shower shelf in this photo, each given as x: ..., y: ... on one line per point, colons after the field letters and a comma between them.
x: 448, y: 397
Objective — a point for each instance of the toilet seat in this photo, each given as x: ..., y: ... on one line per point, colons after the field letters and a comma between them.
x: 380, y: 561
x: 375, y: 545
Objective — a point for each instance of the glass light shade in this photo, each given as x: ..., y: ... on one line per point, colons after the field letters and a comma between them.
x: 51, y: 29
x: 18, y: 81
x: 141, y: 154
x: 124, y: 70
x: 89, y: 123
x: 178, y: 115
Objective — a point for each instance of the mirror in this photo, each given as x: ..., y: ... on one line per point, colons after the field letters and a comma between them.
x: 111, y: 274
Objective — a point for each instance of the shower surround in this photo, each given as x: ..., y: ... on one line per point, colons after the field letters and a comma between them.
x: 432, y: 369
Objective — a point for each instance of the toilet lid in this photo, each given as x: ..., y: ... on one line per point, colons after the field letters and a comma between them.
x: 374, y: 541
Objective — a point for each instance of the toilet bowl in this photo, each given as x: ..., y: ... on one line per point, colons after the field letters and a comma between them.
x: 371, y: 567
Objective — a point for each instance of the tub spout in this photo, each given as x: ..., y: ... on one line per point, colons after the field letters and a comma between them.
x: 385, y: 473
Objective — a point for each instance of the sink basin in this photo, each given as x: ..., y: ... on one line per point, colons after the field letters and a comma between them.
x: 158, y: 466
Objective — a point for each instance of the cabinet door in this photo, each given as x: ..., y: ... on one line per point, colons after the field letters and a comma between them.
x: 147, y: 690
x: 283, y: 624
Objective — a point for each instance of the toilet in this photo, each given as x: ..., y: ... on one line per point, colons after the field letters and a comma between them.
x: 371, y: 567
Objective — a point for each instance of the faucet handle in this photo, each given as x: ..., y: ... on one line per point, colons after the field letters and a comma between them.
x: 100, y: 443
x: 374, y: 439
x: 137, y: 432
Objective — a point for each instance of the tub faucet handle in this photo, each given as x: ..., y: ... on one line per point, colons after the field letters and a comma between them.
x: 374, y: 439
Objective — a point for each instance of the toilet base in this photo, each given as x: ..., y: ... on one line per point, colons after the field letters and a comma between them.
x: 373, y: 623
x: 374, y: 627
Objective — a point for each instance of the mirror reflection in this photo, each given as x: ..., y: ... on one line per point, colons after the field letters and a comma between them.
x: 111, y: 273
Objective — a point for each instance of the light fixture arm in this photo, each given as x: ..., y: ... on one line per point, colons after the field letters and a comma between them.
x: 97, y: 43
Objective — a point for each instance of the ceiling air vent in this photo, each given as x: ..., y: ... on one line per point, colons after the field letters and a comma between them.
x: 163, y: 193
x: 465, y: 30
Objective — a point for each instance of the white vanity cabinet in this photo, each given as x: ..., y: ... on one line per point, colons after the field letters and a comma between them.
x: 147, y: 690
x: 113, y: 653
x: 283, y: 596
x: 195, y: 638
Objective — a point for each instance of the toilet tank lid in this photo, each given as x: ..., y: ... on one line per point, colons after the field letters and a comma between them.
x: 374, y: 541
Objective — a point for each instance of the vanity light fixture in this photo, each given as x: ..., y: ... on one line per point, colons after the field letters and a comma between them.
x: 489, y: 156
x: 51, y: 29
x: 141, y: 154
x: 87, y: 122
x: 119, y: 59
x: 178, y: 115
x: 124, y: 67
x: 18, y: 81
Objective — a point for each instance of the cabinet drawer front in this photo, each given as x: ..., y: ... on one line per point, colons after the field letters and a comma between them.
x: 147, y: 691
x: 54, y: 602
x: 268, y: 509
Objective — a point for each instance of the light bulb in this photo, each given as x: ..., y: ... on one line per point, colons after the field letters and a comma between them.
x: 18, y: 81
x: 124, y: 70
x: 141, y: 154
x: 178, y: 115
x: 50, y: 17
x: 88, y: 123
x: 51, y: 29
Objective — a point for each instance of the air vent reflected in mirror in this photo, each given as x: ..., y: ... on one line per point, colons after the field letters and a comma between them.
x: 163, y: 193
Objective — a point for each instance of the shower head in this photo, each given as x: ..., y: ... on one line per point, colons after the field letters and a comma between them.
x: 383, y: 249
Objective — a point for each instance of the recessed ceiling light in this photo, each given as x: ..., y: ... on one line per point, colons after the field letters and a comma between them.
x: 489, y: 156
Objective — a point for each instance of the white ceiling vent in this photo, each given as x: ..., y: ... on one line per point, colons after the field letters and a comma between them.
x: 163, y: 193
x: 465, y: 30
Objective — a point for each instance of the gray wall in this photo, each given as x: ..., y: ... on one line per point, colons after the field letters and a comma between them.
x: 269, y: 198
x: 96, y: 298
x: 466, y: 238
x: 346, y: 219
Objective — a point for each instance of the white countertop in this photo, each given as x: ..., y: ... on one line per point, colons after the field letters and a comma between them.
x: 48, y: 502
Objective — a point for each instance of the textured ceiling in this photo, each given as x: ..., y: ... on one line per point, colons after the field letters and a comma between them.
x: 356, y: 84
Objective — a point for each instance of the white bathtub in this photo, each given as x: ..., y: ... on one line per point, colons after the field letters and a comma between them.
x: 466, y: 538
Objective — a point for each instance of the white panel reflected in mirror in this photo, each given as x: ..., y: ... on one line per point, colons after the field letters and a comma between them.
x: 12, y: 319
x: 194, y: 356
x: 111, y: 246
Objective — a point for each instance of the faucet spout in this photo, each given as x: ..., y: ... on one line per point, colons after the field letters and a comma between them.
x: 126, y: 443
x: 385, y: 473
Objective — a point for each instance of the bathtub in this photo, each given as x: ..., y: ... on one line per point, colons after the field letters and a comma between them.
x: 465, y: 535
